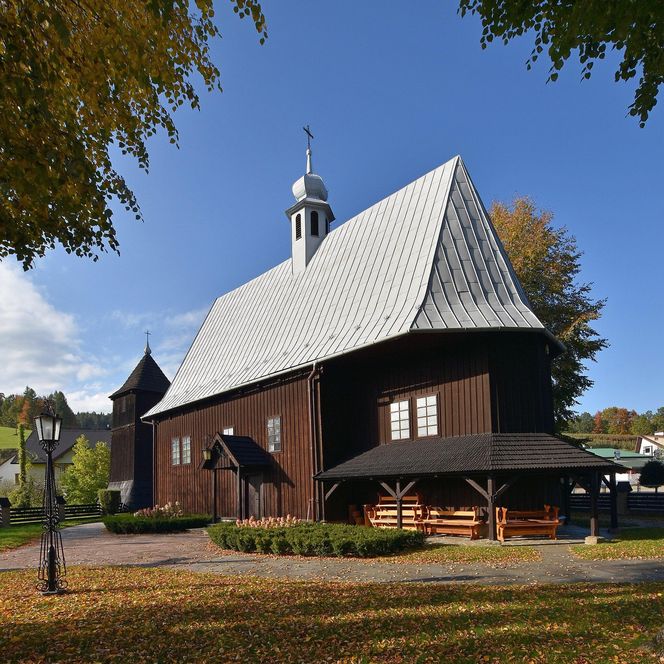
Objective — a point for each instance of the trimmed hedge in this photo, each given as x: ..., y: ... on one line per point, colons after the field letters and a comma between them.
x: 316, y: 539
x: 130, y: 524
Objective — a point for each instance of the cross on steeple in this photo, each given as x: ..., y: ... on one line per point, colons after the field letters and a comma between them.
x: 147, y: 342
x: 307, y: 131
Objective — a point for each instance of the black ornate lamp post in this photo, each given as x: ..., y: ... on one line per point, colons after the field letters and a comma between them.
x: 52, y: 556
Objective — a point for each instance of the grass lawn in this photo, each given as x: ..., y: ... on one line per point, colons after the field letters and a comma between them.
x: 124, y: 614
x: 630, y: 544
x: 498, y: 556
x: 15, y: 536
x: 9, y: 438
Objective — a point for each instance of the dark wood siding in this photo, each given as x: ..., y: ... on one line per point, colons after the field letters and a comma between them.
x: 287, y: 486
x: 357, y: 391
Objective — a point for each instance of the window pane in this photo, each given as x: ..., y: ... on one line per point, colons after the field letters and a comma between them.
x: 186, y: 449
x: 431, y: 401
x: 400, y: 420
x: 228, y: 431
x: 422, y: 431
x: 175, y: 451
x: 274, y: 434
x: 394, y: 407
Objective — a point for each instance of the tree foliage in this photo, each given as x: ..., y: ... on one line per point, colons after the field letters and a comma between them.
x: 652, y: 474
x: 547, y: 263
x: 618, y: 421
x: 88, y: 472
x: 76, y: 77
x: 589, y: 27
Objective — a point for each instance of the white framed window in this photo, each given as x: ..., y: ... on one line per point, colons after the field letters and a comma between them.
x: 400, y: 420
x: 274, y: 434
x: 175, y: 451
x: 427, y: 416
x: 228, y: 431
x: 647, y: 449
x: 186, y: 449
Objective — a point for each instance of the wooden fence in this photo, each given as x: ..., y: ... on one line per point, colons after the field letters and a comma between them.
x: 24, y: 515
x: 641, y: 502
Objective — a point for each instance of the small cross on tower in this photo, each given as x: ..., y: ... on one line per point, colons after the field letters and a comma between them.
x: 307, y: 131
x: 147, y: 342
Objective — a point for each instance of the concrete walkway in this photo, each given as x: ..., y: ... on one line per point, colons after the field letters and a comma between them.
x: 91, y: 545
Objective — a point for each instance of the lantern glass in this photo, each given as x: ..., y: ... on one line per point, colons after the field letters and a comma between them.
x: 207, y: 454
x: 48, y: 427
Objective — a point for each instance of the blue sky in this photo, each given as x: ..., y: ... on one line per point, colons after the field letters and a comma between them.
x: 390, y: 90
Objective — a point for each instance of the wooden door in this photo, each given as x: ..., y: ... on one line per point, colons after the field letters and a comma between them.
x: 253, y: 494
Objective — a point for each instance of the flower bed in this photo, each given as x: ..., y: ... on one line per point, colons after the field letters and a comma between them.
x: 314, y: 539
x: 154, y: 523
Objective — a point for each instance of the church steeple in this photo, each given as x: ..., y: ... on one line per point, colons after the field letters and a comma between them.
x: 311, y: 215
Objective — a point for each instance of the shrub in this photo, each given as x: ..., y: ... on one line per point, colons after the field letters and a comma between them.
x: 130, y: 524
x: 109, y: 499
x: 315, y: 539
x: 652, y: 474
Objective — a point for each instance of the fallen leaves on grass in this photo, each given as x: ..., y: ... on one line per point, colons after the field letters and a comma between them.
x: 146, y: 615
x: 491, y: 555
x: 631, y: 544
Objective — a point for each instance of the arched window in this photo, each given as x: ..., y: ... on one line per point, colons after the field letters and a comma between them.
x: 327, y: 226
x: 314, y: 223
x: 298, y: 227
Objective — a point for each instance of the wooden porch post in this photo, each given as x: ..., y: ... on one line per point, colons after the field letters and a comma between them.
x: 491, y: 505
x: 239, y: 494
x: 565, y: 497
x: 399, y: 505
x: 215, y: 514
x: 613, y: 497
x: 594, y: 513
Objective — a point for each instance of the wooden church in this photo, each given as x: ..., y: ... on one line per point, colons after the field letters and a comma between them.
x: 395, y: 353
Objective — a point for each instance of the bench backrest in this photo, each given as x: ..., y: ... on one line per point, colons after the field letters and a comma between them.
x: 451, y: 513
x: 549, y: 513
x: 414, y: 499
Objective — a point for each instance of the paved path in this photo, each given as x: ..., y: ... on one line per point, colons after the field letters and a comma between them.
x: 90, y: 544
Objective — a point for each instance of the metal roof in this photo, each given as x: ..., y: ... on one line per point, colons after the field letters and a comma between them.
x: 425, y: 258
x: 67, y: 440
x: 480, y: 453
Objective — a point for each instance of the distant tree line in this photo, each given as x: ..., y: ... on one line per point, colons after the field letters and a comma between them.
x: 17, y: 409
x: 618, y: 421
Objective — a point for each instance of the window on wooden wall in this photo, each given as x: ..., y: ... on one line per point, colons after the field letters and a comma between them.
x: 314, y: 223
x: 228, y: 431
x: 274, y: 434
x: 427, y: 416
x: 298, y: 227
x: 175, y: 451
x: 399, y: 420
x: 186, y: 449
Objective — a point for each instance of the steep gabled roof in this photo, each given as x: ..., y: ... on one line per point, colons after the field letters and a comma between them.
x: 426, y: 257
x: 67, y: 440
x: 146, y: 377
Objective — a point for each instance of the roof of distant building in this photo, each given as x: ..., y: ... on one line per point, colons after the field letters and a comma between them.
x: 68, y: 438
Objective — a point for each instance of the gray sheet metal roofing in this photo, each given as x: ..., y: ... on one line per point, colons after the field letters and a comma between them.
x: 480, y: 453
x: 426, y: 257
x: 67, y: 441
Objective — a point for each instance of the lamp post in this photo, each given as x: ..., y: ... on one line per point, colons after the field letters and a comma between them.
x: 52, y: 557
x: 207, y: 460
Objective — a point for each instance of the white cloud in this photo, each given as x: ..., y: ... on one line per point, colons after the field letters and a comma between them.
x: 81, y: 401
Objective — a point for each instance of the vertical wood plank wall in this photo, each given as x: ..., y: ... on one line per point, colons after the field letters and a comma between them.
x: 287, y: 489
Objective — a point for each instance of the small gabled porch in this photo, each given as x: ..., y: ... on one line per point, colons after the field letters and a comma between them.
x: 521, y: 471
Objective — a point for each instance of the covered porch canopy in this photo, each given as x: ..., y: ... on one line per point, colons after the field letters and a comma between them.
x: 490, y: 462
x: 239, y: 454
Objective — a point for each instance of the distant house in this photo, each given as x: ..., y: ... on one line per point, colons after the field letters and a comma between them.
x: 62, y: 455
x: 632, y: 461
x: 652, y: 445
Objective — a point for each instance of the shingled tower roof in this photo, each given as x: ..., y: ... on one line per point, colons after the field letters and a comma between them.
x: 146, y: 377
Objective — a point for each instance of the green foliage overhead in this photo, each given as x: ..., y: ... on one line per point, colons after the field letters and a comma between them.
x: 547, y: 262
x: 635, y: 28
x: 88, y: 472
x: 80, y: 76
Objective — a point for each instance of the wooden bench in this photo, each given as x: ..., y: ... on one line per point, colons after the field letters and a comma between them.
x: 512, y: 523
x: 384, y: 513
x: 451, y: 521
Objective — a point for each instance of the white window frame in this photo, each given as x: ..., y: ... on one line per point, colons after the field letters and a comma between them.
x: 227, y: 431
x: 175, y: 451
x: 185, y: 450
x: 274, y: 433
x: 400, y: 420
x: 426, y: 413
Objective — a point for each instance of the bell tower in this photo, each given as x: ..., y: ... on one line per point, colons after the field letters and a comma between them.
x: 310, y: 216
x: 131, y: 438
